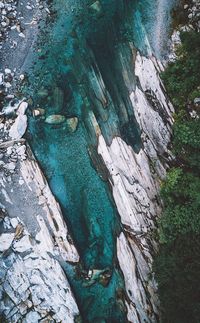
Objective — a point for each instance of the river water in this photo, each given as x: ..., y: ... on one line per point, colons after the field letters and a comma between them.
x: 78, y: 45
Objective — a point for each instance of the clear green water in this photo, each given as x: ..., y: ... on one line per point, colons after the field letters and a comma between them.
x: 84, y: 197
x: 74, y: 43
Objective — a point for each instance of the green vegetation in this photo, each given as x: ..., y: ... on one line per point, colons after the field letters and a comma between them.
x: 182, y: 77
x: 177, y: 264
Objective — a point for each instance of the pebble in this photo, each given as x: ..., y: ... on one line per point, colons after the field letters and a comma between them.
x: 21, y: 77
x: 21, y: 35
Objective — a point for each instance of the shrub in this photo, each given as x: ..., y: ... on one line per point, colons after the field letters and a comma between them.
x: 177, y: 264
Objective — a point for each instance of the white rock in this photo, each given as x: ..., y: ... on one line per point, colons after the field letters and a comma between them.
x: 22, y: 244
x: 10, y: 166
x: 14, y: 222
x: 21, y: 182
x: 32, y: 317
x: 6, y: 240
x: 22, y: 107
x: 7, y: 71
x: 21, y: 77
x: 21, y: 150
x: 9, y: 150
x: 22, y: 35
x: 7, y: 85
x: 1, y: 78
x: 18, y: 129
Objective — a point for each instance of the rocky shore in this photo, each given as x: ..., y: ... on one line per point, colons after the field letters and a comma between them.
x: 34, y: 238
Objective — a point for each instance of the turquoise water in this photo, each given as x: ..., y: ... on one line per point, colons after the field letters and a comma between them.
x: 84, y: 197
x: 79, y: 48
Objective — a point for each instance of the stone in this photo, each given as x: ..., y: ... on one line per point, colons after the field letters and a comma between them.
x: 22, y: 244
x: 21, y: 150
x: 33, y: 317
x: 21, y: 182
x: 22, y: 108
x: 197, y: 101
x: 18, y: 129
x: 6, y: 240
x: 22, y: 77
x: 72, y: 124
x: 38, y: 112
x: 96, y: 7
x: 7, y: 71
x: 14, y: 222
x: 22, y: 35
x: 1, y: 78
x: 58, y: 99
x: 10, y: 166
x: 9, y: 150
x: 43, y: 93
x: 55, y: 119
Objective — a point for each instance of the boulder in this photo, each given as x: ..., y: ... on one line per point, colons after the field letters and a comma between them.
x: 38, y: 112
x: 18, y: 129
x: 96, y: 7
x: 22, y: 107
x: 197, y: 101
x: 72, y: 124
x: 42, y: 93
x: 55, y: 119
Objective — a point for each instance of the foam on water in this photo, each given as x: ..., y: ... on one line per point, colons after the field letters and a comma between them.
x: 155, y: 18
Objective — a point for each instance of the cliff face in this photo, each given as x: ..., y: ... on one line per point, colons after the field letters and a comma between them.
x: 104, y: 155
x: 135, y: 181
x: 33, y: 241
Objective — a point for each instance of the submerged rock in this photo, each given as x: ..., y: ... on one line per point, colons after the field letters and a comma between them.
x: 43, y: 93
x: 58, y: 98
x: 55, y: 119
x: 72, y: 124
x: 96, y: 7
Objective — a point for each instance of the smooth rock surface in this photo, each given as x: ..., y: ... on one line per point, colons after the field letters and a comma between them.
x: 135, y: 180
x: 55, y: 119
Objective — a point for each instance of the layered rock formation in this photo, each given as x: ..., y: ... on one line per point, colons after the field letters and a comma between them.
x: 124, y: 118
x: 135, y: 182
x: 33, y: 241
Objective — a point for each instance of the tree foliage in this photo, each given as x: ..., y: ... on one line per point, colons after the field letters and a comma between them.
x: 181, y: 78
x: 177, y: 264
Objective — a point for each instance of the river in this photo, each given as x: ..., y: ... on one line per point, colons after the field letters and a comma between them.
x: 80, y: 48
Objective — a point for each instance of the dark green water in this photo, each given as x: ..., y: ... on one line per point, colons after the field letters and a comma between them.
x: 77, y: 48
